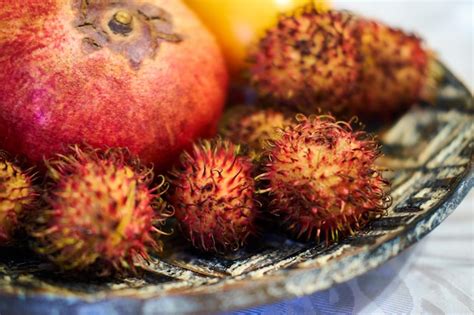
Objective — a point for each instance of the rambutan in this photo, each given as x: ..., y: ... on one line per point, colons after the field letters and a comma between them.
x: 253, y: 127
x: 307, y: 58
x: 342, y: 63
x: 100, y: 211
x: 16, y: 196
x: 213, y: 196
x: 322, y: 181
x: 397, y: 71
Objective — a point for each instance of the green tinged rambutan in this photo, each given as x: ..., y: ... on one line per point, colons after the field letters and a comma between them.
x: 100, y: 211
x: 253, y: 127
x: 16, y: 196
x: 322, y: 181
x: 343, y: 64
x: 213, y: 196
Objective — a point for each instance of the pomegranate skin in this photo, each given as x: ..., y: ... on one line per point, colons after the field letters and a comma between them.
x: 56, y: 91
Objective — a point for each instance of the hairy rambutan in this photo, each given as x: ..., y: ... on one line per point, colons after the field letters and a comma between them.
x: 397, y: 71
x: 16, y: 196
x: 100, y: 211
x: 253, y: 127
x: 213, y: 196
x: 342, y: 63
x: 322, y: 180
x: 308, y: 57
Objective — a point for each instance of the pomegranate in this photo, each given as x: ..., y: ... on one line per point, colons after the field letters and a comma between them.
x: 146, y: 75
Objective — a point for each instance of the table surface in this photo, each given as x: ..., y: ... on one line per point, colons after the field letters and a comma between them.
x: 435, y: 276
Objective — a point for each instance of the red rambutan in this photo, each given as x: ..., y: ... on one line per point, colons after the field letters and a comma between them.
x: 99, y: 211
x: 253, y: 127
x: 396, y: 72
x: 213, y: 196
x: 322, y: 180
x: 308, y: 57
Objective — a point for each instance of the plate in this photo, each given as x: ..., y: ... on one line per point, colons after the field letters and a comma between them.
x: 430, y: 153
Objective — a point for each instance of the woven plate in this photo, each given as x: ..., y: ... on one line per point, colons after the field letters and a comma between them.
x: 430, y: 151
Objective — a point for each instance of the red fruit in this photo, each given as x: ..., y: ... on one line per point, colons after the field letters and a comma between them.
x: 213, y: 197
x: 397, y: 71
x: 322, y: 179
x: 253, y: 127
x: 309, y: 59
x: 100, y: 211
x: 149, y: 77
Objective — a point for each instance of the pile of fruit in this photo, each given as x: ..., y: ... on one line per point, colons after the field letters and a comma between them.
x: 99, y: 97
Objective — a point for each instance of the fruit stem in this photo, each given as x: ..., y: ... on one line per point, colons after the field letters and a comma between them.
x: 121, y: 23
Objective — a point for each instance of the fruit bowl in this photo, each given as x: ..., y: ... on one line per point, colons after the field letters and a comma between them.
x: 429, y: 152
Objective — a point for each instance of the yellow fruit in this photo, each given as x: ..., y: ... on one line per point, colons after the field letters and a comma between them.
x: 238, y: 23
